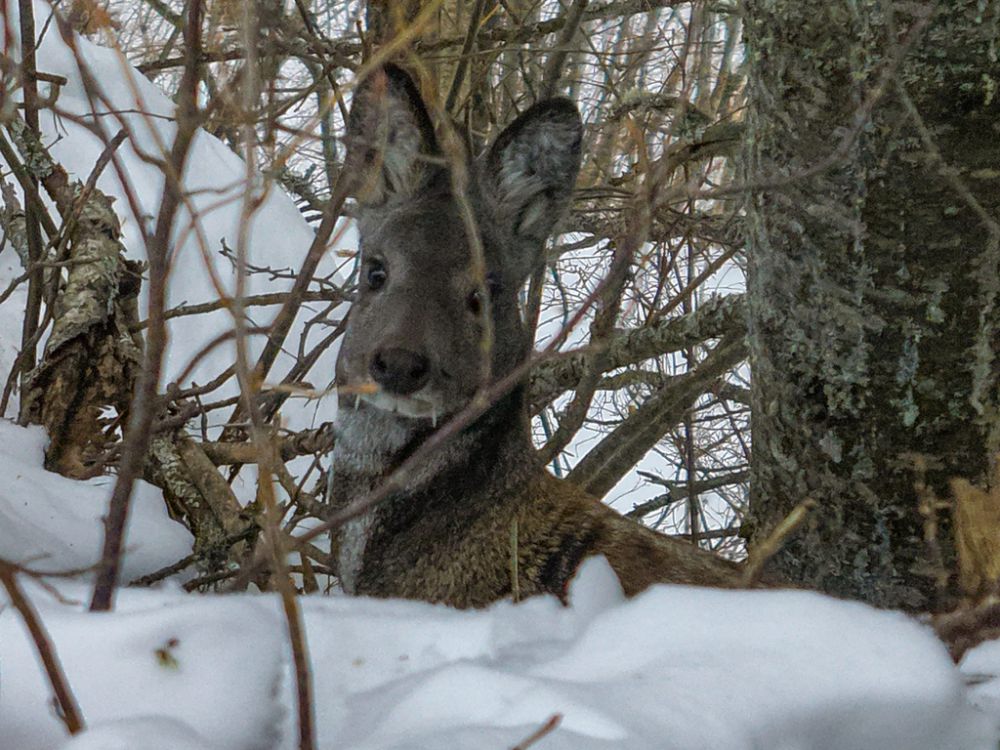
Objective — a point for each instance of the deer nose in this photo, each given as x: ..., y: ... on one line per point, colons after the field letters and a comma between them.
x: 399, y: 370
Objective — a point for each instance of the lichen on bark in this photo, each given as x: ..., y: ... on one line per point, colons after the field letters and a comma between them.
x: 92, y: 354
x: 200, y: 497
x: 872, y: 282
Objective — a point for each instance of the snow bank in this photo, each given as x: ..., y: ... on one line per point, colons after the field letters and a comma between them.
x: 211, y: 664
x: 981, y: 667
x: 676, y: 668
x: 52, y: 523
x: 143, y: 733
x: 215, y: 180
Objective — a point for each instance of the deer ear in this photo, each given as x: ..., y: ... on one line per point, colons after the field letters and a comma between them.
x: 389, y: 138
x: 533, y: 166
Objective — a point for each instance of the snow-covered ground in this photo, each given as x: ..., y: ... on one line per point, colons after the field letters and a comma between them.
x: 674, y: 668
x: 215, y: 180
x: 52, y: 523
x: 981, y: 667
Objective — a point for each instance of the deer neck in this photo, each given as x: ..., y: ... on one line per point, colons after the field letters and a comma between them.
x: 490, y: 458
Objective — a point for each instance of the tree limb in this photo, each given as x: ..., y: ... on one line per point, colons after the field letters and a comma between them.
x: 677, y: 491
x: 612, y: 458
x: 715, y: 317
x: 68, y: 709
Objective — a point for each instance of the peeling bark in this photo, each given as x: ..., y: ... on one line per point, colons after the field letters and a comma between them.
x: 92, y: 355
x: 872, y: 284
x: 13, y: 221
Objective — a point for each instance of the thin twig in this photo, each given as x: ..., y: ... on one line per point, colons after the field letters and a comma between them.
x: 145, y: 401
x: 774, y: 541
x: 36, y: 250
x: 256, y: 300
x: 463, y: 60
x: 69, y: 711
x: 549, y: 726
x: 560, y: 50
x: 249, y: 381
x: 282, y: 324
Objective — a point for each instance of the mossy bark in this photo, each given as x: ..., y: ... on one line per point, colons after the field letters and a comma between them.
x: 874, y: 329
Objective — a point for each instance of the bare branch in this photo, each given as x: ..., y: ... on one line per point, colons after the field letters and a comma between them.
x: 716, y: 317
x: 608, y: 461
x: 677, y: 491
x: 145, y: 402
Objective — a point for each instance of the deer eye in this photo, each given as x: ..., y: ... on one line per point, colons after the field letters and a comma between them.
x: 376, y: 275
x: 475, y: 301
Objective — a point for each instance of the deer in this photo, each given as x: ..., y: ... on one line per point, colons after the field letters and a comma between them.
x: 481, y: 520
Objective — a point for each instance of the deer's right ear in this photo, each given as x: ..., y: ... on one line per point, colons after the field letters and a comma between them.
x: 390, y: 138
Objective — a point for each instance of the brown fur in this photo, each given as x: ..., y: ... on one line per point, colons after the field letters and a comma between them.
x: 453, y: 538
x: 481, y: 520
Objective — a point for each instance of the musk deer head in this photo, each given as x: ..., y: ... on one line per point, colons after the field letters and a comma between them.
x: 416, y: 342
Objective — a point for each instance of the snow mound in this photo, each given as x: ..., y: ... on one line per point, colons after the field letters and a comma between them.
x: 676, y: 668
x: 981, y: 667
x: 217, y: 192
x: 52, y: 523
x: 210, y: 665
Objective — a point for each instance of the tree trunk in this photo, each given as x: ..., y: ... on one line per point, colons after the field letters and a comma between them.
x: 873, y: 282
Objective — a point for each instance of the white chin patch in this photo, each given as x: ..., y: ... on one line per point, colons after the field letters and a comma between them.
x: 415, y: 408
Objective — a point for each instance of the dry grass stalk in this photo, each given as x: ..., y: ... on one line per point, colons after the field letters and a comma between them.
x: 977, y: 518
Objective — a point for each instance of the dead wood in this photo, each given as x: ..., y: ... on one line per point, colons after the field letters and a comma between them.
x: 91, y: 357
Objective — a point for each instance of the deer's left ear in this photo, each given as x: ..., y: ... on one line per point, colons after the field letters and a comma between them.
x: 532, y: 168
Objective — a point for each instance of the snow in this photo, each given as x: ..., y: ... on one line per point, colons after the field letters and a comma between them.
x: 981, y: 667
x: 190, y: 661
x: 140, y: 733
x: 675, y: 668
x: 216, y: 189
x: 53, y: 523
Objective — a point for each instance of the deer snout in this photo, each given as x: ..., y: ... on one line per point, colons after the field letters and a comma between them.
x: 399, y: 370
